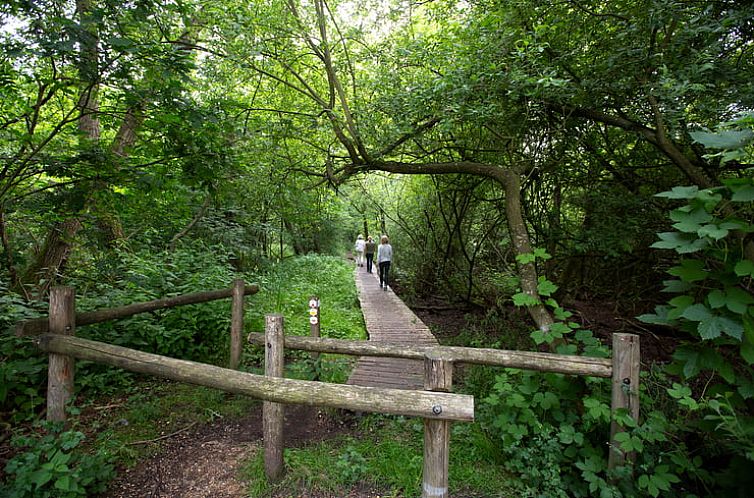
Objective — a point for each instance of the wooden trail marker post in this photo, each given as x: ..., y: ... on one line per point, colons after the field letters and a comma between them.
x: 625, y: 391
x: 62, y: 321
x: 314, y: 322
x: 272, y: 413
x: 236, y: 324
x: 438, y: 376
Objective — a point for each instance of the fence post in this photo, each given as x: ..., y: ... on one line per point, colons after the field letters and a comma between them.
x: 438, y: 376
x: 315, y: 329
x: 625, y: 391
x: 272, y: 413
x: 236, y: 324
x: 62, y: 320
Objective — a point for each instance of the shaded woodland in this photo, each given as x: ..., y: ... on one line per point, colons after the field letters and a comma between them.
x: 558, y: 171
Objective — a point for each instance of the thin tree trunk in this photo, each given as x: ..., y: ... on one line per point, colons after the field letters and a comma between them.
x: 198, y: 216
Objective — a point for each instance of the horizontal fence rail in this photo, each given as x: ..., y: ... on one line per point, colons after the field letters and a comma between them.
x: 39, y: 326
x: 544, y: 362
x: 433, y: 405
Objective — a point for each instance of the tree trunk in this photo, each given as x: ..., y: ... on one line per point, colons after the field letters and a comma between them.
x: 527, y: 272
x: 51, y: 260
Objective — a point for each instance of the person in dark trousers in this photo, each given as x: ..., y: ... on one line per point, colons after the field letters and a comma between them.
x: 369, y: 248
x: 384, y: 258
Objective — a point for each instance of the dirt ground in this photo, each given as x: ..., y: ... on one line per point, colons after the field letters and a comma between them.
x: 205, y: 462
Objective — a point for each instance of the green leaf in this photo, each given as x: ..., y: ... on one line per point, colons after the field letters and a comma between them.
x: 713, y: 231
x: 712, y: 327
x: 744, y: 268
x: 675, y: 286
x: 744, y: 194
x: 738, y: 300
x: 525, y: 258
x: 680, y: 193
x: 523, y: 299
x: 697, y: 313
x: 690, y: 270
x: 545, y: 287
x: 716, y: 299
x: 64, y: 483
x: 747, y: 352
x: 730, y: 139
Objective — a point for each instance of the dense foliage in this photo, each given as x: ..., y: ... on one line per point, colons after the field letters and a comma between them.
x: 522, y: 156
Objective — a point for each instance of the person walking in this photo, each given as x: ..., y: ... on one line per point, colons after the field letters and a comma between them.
x: 358, y: 247
x: 369, y: 248
x: 384, y: 258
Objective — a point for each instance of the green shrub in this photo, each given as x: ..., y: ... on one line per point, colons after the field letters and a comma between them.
x: 53, y: 464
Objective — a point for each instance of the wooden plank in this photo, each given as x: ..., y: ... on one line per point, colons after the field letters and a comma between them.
x: 40, y: 326
x: 365, y: 399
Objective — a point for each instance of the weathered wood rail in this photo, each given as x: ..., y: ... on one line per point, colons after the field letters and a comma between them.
x: 434, y: 405
x: 622, y: 368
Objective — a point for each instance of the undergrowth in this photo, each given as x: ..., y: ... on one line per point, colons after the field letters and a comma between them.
x: 386, y: 456
x: 144, y: 411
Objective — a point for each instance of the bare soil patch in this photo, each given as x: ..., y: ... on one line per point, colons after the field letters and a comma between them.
x: 205, y: 461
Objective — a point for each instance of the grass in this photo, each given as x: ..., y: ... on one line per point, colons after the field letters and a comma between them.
x: 387, y: 456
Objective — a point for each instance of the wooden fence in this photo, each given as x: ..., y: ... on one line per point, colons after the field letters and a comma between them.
x: 623, y: 368
x: 56, y: 336
x: 436, y: 404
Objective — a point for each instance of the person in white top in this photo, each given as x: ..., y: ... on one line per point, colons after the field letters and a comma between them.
x: 384, y: 258
x: 358, y: 247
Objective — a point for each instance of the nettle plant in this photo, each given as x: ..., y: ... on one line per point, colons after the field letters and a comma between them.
x: 714, y: 306
x: 554, y: 427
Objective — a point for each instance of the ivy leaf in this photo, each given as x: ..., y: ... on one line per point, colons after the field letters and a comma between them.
x: 659, y: 317
x: 690, y: 221
x: 680, y: 193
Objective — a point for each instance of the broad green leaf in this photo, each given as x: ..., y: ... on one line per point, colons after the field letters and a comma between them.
x: 545, y: 287
x: 744, y: 194
x: 744, y: 268
x: 712, y: 231
x: 680, y: 193
x: 523, y: 299
x: 738, y: 300
x: 713, y: 326
x: 731, y: 139
x: 542, y: 253
x: 746, y: 388
x: 525, y: 258
x: 716, y: 299
x: 690, y: 270
x: 747, y: 352
x: 675, y: 286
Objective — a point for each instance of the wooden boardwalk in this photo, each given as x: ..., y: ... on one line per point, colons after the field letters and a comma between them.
x: 388, y: 319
